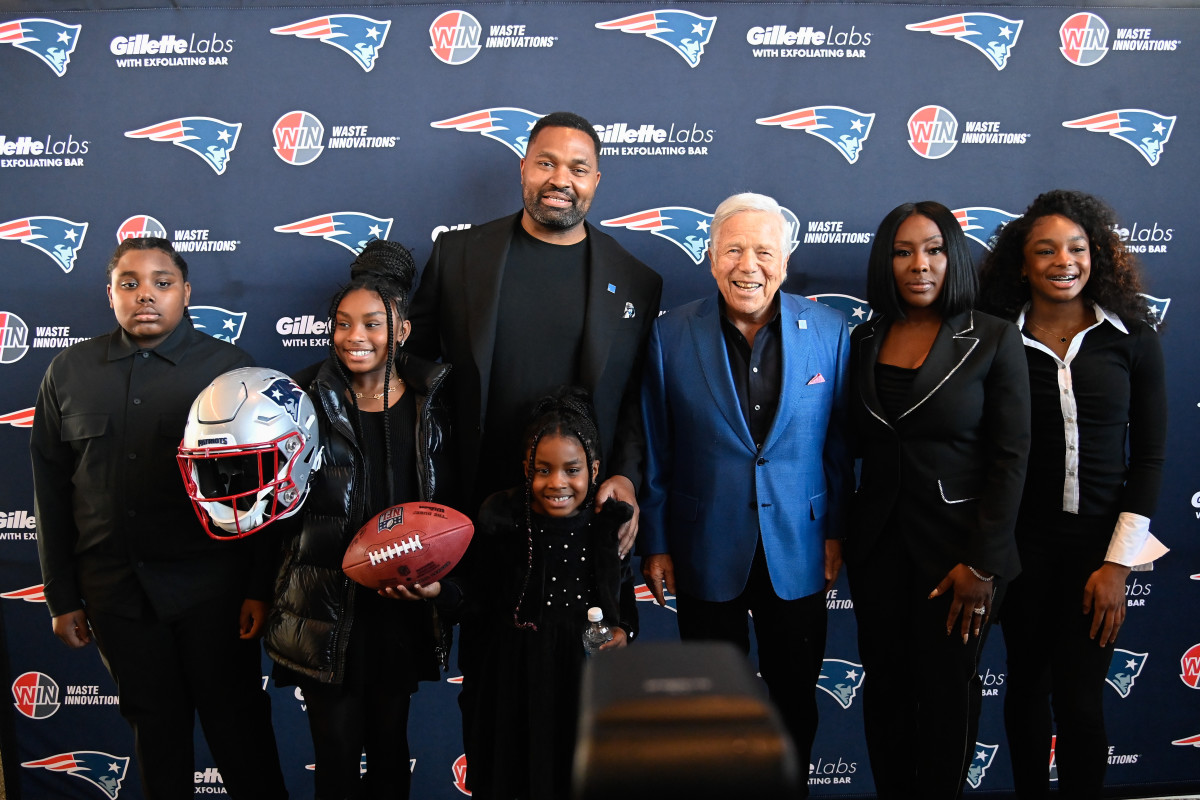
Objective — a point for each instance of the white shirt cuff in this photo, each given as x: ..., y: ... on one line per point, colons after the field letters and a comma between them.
x: 1132, y: 543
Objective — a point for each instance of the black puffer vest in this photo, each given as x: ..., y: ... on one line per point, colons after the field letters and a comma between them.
x: 309, y: 625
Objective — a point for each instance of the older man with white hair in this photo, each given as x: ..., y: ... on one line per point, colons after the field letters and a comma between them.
x: 748, y: 468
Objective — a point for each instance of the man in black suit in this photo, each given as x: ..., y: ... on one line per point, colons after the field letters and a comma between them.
x: 534, y: 300
x: 528, y: 302
x: 176, y: 614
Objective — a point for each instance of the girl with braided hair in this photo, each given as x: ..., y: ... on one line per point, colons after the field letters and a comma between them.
x: 540, y: 558
x: 356, y: 655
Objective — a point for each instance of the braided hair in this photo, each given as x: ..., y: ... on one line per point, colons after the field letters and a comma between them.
x: 387, y: 270
x: 567, y: 412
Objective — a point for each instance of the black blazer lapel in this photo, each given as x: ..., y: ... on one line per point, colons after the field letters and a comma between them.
x: 605, y: 306
x: 483, y: 273
x: 954, y: 343
x: 868, y: 354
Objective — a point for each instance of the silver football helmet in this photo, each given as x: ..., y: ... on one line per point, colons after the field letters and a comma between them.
x: 249, y: 450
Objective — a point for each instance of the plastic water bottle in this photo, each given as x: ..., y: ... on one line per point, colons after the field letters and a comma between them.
x: 596, y: 633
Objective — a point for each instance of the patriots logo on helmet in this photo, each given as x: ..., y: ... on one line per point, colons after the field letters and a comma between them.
x: 983, y: 223
x: 992, y: 35
x: 30, y: 594
x: 350, y: 229
x: 209, y: 138
x: 841, y: 680
x: 686, y: 228
x: 1084, y: 38
x: 287, y: 395
x: 855, y: 310
x: 360, y: 37
x: 984, y: 753
x: 217, y: 322
x: 684, y: 32
x: 102, y: 770
x: 1124, y: 669
x: 643, y: 594
x: 1145, y: 130
x: 509, y: 126
x: 140, y: 227
x: 844, y: 128
x: 1158, y: 307
x: 56, y: 237
x: 50, y: 41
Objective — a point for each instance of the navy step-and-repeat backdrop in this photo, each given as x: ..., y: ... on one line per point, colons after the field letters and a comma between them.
x: 270, y: 143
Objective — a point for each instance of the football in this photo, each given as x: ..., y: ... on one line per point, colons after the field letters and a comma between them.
x: 406, y: 544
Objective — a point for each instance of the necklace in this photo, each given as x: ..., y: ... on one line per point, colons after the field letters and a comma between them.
x: 1058, y: 336
x: 363, y: 395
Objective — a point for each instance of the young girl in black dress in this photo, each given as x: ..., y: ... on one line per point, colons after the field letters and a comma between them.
x: 541, y: 557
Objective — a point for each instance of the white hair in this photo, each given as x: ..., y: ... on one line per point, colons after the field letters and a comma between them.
x: 749, y: 201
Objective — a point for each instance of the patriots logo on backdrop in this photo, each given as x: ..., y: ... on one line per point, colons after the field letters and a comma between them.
x: 209, y: 138
x: 855, y: 310
x: 1194, y: 741
x: 684, y: 227
x: 50, y: 41
x: 643, y: 594
x: 139, y: 227
x: 984, y: 754
x: 992, y: 35
x: 983, y: 223
x: 841, y: 680
x: 56, y: 237
x: 1158, y: 307
x: 18, y: 419
x: 509, y: 126
x: 350, y: 229
x: 1084, y: 38
x: 844, y: 128
x: 102, y: 770
x: 30, y: 594
x: 1145, y: 130
x: 284, y: 393
x: 219, y: 323
x: 1124, y: 669
x: 359, y: 37
x: 684, y: 32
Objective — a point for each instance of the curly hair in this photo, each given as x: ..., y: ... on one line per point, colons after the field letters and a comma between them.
x: 1114, y: 280
x: 387, y: 270
x: 567, y: 412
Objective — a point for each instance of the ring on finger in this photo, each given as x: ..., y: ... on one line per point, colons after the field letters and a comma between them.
x: 981, y: 610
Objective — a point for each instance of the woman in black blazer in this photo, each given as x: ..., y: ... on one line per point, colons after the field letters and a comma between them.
x: 1100, y: 426
x: 940, y: 405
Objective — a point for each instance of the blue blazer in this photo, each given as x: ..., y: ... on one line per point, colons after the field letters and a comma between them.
x: 709, y: 493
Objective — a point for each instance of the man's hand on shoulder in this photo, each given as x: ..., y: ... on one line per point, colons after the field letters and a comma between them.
x: 73, y: 628
x: 621, y: 488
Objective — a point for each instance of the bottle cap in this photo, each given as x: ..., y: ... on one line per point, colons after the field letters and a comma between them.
x: 595, y: 614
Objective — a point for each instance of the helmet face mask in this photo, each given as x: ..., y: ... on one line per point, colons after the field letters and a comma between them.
x: 248, y: 451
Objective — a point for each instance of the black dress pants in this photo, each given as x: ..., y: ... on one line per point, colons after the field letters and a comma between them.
x: 1055, y: 672
x: 167, y: 672
x: 921, y: 687
x: 791, y: 645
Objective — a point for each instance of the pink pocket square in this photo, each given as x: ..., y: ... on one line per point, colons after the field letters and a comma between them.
x: 818, y: 378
